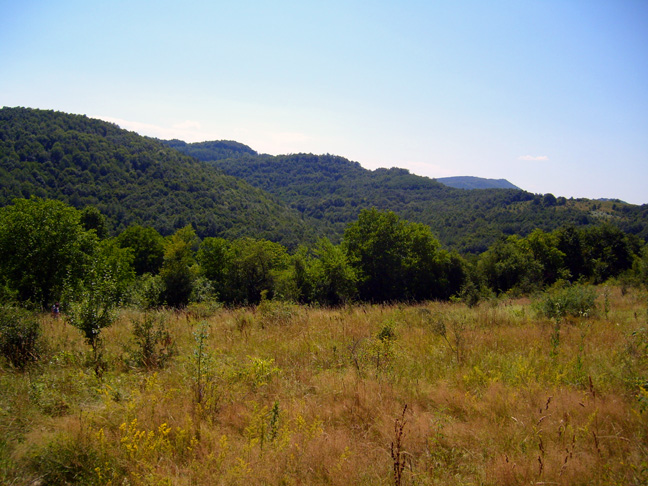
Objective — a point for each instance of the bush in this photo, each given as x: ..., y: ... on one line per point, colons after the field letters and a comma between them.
x: 65, y: 459
x: 146, y: 292
x: 571, y: 300
x: 274, y: 312
x: 19, y: 336
x: 155, y: 345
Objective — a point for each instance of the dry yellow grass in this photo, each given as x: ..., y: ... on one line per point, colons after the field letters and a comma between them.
x: 294, y: 395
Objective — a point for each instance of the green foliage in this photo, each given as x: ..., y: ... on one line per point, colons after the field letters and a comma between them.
x: 212, y: 257
x: 252, y: 268
x: 567, y: 300
x: 132, y: 179
x: 394, y: 259
x: 43, y: 249
x: 509, y: 265
x: 178, y: 273
x: 146, y: 291
x: 147, y: 246
x: 597, y: 254
x: 333, y: 279
x: 118, y: 264
x: 94, y: 308
x: 19, y: 336
x: 608, y: 252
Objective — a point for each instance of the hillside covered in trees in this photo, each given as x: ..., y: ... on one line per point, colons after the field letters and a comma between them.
x: 132, y: 179
x: 332, y: 190
x: 227, y: 189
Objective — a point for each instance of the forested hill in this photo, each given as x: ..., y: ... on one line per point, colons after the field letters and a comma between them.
x: 227, y: 189
x: 333, y: 190
x: 133, y: 179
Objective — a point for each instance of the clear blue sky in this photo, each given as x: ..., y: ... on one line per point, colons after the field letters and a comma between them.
x: 550, y: 94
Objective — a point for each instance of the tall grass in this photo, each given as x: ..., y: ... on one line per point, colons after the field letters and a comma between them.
x: 373, y: 395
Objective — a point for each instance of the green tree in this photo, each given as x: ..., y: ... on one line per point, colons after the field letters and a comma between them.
x: 179, y: 271
x: 544, y: 248
x: 570, y: 243
x: 147, y: 246
x: 608, y: 252
x: 394, y: 259
x: 117, y: 263
x: 43, y: 249
x: 212, y: 257
x: 333, y: 278
x: 508, y: 264
x: 252, y: 269
x: 92, y: 219
x: 93, y: 308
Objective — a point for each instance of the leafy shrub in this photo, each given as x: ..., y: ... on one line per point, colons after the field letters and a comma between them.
x: 155, y: 345
x: 203, y: 309
x: 387, y: 333
x: 146, y: 292
x: 65, y: 459
x: 274, y: 312
x: 19, y: 336
x: 571, y: 300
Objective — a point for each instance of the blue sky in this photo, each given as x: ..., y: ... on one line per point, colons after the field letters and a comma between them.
x: 551, y: 95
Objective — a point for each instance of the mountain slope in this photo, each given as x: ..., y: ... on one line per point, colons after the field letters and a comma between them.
x: 333, y: 190
x: 232, y: 191
x: 132, y: 179
x: 469, y: 182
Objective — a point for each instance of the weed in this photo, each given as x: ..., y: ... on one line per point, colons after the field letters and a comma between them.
x: 397, y: 452
x: 155, y: 345
x: 457, y: 326
x: 274, y: 312
x: 201, y: 364
x: 572, y: 300
x: 19, y: 336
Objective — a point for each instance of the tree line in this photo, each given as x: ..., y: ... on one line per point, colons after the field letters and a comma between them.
x: 51, y: 251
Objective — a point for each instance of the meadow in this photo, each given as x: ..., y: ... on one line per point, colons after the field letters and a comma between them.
x: 278, y: 394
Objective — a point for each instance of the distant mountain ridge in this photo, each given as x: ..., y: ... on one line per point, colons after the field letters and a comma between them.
x: 470, y: 182
x: 332, y: 190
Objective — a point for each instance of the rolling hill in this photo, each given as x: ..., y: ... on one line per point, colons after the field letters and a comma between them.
x: 332, y: 190
x: 133, y: 179
x: 227, y: 189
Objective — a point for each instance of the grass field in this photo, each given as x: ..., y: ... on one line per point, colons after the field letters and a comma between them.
x: 363, y: 395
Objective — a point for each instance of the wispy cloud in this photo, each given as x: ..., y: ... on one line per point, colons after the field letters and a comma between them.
x: 533, y: 158
x: 189, y: 131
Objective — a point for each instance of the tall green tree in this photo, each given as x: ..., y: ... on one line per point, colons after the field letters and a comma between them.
x: 252, y: 269
x: 43, y: 248
x: 333, y: 278
x: 179, y: 270
x: 92, y: 219
x: 212, y: 257
x: 394, y: 259
x: 147, y: 246
x: 509, y: 264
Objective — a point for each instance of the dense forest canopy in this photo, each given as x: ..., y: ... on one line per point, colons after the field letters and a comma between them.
x: 132, y: 179
x: 226, y: 189
x: 332, y: 190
